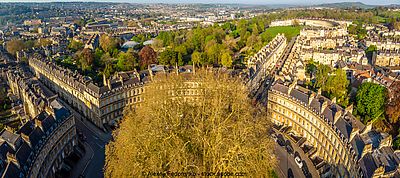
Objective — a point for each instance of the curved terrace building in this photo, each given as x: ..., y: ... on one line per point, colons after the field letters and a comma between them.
x: 335, y: 136
x: 45, y: 139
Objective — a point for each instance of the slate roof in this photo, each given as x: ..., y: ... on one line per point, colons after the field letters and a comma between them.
x: 344, y: 127
x: 303, y: 97
x: 281, y: 88
x: 9, y: 137
x: 346, y: 124
x: 23, y: 153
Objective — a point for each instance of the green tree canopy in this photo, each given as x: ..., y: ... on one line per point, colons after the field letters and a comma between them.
x: 226, y: 59
x: 75, y: 45
x: 109, y: 44
x: 370, y: 101
x: 197, y: 58
x: 127, y: 61
x: 321, y: 75
x: 168, y: 57
x: 337, y: 87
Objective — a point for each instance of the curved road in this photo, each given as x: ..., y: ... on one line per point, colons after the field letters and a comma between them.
x: 286, y: 161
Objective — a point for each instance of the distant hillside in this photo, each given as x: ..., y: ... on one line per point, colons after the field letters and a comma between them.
x: 347, y: 5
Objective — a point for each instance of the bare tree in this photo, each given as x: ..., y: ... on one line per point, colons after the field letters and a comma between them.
x: 198, y: 123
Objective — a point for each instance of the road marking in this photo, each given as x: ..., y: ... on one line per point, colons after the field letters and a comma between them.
x: 87, y: 163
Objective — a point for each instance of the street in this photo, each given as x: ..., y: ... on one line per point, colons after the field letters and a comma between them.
x: 94, y: 168
x: 286, y: 161
x: 92, y: 163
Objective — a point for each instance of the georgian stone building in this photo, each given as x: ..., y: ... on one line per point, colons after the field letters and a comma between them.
x: 100, y: 104
x: 335, y: 135
x: 388, y: 58
x: 264, y: 61
x: 39, y: 147
x: 35, y: 95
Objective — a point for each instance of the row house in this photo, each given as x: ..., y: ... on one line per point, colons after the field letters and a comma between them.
x: 336, y: 138
x: 388, y: 58
x: 39, y: 147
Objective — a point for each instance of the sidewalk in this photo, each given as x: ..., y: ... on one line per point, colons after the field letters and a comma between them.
x: 81, y: 165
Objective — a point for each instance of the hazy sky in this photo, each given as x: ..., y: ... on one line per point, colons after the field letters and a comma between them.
x: 373, y: 2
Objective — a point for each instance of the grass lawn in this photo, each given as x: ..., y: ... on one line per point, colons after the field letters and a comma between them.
x: 289, y: 31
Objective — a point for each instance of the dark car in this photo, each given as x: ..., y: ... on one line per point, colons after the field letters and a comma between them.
x: 289, y: 147
x: 305, y: 170
x: 290, y: 173
x: 280, y: 140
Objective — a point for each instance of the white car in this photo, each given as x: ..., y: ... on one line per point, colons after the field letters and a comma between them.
x: 274, y: 137
x: 298, y: 162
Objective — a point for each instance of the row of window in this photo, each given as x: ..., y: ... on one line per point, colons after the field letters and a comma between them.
x: 313, y: 129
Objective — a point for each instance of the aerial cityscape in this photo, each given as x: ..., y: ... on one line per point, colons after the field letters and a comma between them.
x: 92, y: 89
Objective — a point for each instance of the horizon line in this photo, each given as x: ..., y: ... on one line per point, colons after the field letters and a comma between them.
x: 217, y: 3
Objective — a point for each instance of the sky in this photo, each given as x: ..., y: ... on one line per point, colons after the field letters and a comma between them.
x: 371, y: 2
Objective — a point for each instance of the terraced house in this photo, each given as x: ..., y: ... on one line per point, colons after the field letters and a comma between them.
x: 337, y: 139
x: 102, y: 105
x: 37, y: 148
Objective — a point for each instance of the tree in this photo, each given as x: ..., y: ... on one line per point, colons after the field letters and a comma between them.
x: 213, y: 51
x: 311, y: 68
x: 86, y: 58
x: 14, y: 46
x: 43, y: 42
x: 220, y: 132
x: 370, y: 101
x: 370, y: 51
x: 180, y: 59
x: 322, y: 75
x: 147, y: 56
x: 393, y: 106
x: 108, y: 43
x: 226, y: 59
x: 108, y: 70
x: 157, y: 44
x: 336, y: 87
x: 3, y: 98
x: 168, y: 57
x: 197, y: 58
x: 126, y: 61
x: 75, y: 45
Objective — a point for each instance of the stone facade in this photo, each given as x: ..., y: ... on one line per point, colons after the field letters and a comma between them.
x: 39, y: 147
x: 334, y: 134
x: 100, y: 104
x: 388, y: 58
x: 264, y: 61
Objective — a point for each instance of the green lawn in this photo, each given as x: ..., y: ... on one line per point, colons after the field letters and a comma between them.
x: 289, y: 31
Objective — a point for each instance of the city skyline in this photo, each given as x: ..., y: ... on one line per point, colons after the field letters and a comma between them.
x: 264, y: 2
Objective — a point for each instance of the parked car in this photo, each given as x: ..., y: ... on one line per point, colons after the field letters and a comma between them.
x: 296, y: 154
x: 298, y: 161
x: 280, y: 140
x: 305, y: 170
x: 289, y: 147
x: 274, y: 137
x: 290, y: 173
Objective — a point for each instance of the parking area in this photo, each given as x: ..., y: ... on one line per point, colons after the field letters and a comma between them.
x: 291, y: 158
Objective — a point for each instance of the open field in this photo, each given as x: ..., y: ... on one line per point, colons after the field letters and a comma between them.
x: 289, y: 31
